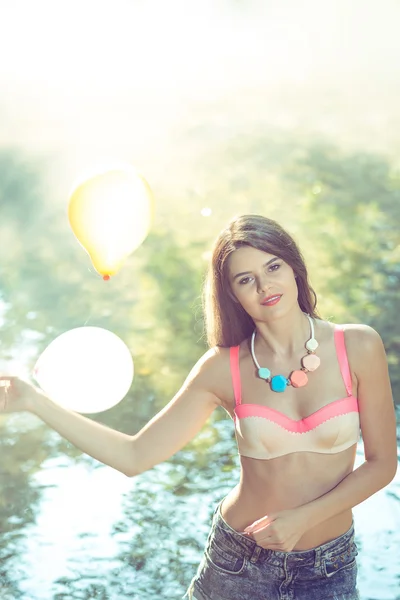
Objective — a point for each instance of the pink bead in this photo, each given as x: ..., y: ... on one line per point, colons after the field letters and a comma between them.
x: 311, y: 362
x: 298, y: 379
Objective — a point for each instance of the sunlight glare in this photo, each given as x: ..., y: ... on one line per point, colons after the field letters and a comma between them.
x: 87, y: 370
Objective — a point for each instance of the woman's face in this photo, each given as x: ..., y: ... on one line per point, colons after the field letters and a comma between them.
x: 255, y: 276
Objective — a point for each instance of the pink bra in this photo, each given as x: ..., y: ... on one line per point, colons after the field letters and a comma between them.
x: 265, y: 433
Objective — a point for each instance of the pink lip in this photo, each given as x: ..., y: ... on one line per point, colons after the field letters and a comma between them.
x: 266, y: 303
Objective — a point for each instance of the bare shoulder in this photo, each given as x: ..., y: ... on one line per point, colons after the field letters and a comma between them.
x: 357, y: 334
x: 363, y: 344
x: 374, y: 395
x: 212, y: 373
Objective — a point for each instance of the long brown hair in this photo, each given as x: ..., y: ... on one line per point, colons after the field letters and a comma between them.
x: 227, y: 323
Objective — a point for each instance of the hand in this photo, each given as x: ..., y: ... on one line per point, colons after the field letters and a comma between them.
x: 16, y: 395
x: 278, y: 531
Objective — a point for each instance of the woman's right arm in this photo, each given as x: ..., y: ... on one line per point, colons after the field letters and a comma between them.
x: 166, y: 433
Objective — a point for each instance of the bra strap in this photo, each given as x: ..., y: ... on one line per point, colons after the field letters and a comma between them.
x: 237, y: 386
x: 342, y: 358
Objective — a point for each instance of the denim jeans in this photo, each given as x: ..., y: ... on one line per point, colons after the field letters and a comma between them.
x: 234, y: 567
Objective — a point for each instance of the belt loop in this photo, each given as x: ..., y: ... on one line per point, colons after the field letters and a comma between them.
x: 256, y: 553
x: 318, y: 553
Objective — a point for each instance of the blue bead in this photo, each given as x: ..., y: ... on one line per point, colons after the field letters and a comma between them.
x: 264, y: 373
x: 279, y: 383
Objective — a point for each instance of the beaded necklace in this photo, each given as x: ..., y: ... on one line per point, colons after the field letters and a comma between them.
x: 297, y: 378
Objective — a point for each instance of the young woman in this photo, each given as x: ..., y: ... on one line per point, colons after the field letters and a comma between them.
x: 299, y: 390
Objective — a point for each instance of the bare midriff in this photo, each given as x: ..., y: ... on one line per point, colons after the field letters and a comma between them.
x: 268, y: 486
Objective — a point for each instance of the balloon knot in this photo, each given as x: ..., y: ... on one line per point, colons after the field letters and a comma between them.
x: 106, y: 277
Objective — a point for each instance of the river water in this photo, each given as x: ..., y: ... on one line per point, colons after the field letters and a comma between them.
x: 94, y: 533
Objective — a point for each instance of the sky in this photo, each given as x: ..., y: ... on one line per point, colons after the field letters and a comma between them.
x: 84, y: 81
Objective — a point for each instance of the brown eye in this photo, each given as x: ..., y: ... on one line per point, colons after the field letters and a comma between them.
x: 244, y: 280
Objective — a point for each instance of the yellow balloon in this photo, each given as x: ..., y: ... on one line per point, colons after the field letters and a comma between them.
x: 110, y: 215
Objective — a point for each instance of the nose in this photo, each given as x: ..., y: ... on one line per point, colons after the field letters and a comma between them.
x: 262, y: 284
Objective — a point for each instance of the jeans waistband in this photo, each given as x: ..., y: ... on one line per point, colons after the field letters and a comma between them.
x: 249, y: 547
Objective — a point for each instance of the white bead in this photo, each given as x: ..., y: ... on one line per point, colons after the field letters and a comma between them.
x: 312, y: 345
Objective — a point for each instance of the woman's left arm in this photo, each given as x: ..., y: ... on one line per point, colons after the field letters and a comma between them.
x: 367, y: 358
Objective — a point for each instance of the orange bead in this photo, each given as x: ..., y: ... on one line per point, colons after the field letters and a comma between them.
x: 298, y: 379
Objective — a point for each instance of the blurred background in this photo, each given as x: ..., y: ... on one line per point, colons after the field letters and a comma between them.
x: 288, y: 109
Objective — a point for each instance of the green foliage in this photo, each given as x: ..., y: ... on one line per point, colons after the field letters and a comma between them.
x: 344, y: 210
x: 351, y: 204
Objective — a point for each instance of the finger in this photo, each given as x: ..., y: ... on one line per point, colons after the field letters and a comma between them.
x: 5, y: 381
x: 4, y: 399
x: 261, y: 523
x: 260, y: 539
x: 256, y: 524
x: 270, y: 543
x: 262, y: 530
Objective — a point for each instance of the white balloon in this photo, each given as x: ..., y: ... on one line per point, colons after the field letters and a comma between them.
x: 87, y: 370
